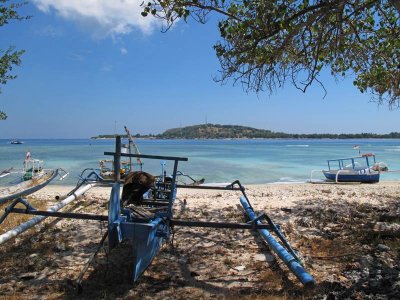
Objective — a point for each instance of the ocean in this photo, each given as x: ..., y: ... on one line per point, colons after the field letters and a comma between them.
x: 250, y: 161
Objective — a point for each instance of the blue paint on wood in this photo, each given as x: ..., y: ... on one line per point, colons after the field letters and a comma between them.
x: 145, y: 238
x: 304, y: 277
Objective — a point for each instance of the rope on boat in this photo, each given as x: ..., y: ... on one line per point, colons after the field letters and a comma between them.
x: 132, y: 142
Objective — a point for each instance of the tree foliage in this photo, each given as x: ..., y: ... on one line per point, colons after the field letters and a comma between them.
x: 267, y: 43
x: 9, y: 57
x: 217, y: 131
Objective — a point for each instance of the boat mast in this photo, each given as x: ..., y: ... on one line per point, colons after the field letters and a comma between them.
x: 133, y: 144
x: 130, y: 149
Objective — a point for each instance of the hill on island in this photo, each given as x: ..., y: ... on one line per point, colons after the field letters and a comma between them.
x: 217, y: 131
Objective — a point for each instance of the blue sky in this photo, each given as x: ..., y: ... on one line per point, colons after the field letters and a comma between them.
x: 90, y: 64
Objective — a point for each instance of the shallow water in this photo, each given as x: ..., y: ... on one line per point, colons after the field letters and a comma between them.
x: 251, y: 161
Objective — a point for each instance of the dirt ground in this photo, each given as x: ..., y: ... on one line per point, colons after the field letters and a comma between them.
x: 348, y: 237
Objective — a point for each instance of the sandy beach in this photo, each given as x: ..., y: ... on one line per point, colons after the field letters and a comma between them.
x: 347, y: 236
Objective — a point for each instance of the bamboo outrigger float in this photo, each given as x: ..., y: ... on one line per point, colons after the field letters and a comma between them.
x: 149, y: 222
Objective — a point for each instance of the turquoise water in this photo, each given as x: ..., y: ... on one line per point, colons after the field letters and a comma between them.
x: 251, y: 161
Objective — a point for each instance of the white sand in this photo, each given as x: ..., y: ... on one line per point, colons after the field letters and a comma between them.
x: 262, y: 195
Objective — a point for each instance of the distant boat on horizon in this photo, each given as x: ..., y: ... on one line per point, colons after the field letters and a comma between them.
x: 16, y: 142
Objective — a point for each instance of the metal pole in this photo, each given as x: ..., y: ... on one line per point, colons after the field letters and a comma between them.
x: 117, y: 159
x: 205, y: 187
x: 130, y: 142
x: 175, y: 222
x: 171, y: 195
x: 149, y: 156
x: 86, y: 267
x: 24, y: 226
x: 56, y: 214
x: 297, y: 269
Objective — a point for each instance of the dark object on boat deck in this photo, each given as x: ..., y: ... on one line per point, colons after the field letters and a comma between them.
x: 136, y: 184
x: 201, y: 181
x: 380, y: 167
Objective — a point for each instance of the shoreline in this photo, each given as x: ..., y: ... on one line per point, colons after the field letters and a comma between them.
x: 217, y: 139
x: 272, y: 190
x: 61, y: 186
x: 247, y: 138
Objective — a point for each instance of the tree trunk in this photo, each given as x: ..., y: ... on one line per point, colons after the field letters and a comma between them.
x: 396, y: 4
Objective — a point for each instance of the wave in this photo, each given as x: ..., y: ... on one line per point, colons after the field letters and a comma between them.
x: 297, y: 145
x: 397, y: 149
x: 288, y: 180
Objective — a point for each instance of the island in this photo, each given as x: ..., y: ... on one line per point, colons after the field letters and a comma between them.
x: 217, y: 131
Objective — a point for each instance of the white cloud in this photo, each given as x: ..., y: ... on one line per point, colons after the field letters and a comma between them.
x: 124, y: 51
x: 102, y: 17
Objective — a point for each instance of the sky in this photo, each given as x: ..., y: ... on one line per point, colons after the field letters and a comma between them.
x: 93, y: 66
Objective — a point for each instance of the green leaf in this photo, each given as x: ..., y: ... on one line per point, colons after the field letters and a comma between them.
x: 3, y: 115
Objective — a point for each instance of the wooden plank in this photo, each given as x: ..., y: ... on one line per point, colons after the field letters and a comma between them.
x: 158, y: 202
x: 140, y: 212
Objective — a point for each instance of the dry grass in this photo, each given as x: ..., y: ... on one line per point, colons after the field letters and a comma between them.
x: 14, y: 219
x: 333, y: 237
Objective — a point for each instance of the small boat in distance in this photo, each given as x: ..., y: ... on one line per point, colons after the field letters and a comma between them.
x: 363, y: 168
x: 107, y: 168
x: 16, y: 142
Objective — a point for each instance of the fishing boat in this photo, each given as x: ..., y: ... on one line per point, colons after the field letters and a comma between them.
x: 362, y: 168
x: 6, y: 172
x: 33, y: 177
x: 107, y: 168
x: 28, y: 186
x: 16, y: 142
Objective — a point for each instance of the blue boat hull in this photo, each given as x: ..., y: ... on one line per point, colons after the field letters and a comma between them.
x: 364, y: 178
x: 145, y: 237
x: 146, y: 240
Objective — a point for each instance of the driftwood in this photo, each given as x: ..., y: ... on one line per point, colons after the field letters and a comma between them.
x: 387, y: 229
